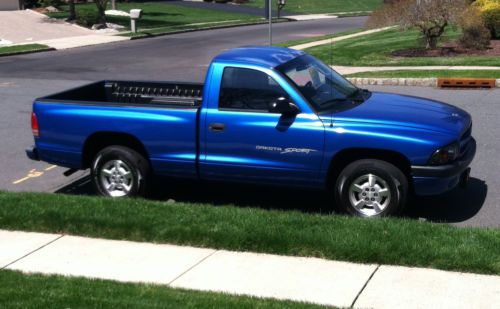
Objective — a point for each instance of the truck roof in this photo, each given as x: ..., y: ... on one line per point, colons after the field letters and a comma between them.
x: 265, y: 56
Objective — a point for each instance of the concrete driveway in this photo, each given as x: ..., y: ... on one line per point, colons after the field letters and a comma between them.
x: 28, y: 26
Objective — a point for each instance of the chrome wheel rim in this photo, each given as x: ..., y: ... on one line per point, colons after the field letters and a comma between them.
x: 369, y: 195
x: 116, y: 178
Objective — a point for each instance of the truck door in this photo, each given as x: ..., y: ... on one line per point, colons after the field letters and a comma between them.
x: 244, y: 141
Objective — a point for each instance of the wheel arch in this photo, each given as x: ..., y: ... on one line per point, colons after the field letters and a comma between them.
x: 344, y: 157
x: 100, y: 140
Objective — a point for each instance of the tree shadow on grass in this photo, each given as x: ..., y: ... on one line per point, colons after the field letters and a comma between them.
x: 161, y: 14
x: 455, y: 206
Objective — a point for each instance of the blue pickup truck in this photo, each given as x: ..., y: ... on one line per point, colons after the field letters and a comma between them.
x: 265, y: 115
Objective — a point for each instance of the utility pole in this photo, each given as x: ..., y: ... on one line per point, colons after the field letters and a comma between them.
x: 270, y: 12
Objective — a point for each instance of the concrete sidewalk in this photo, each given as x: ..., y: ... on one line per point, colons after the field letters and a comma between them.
x: 29, y: 27
x: 26, y: 27
x: 337, y: 39
x: 296, y: 278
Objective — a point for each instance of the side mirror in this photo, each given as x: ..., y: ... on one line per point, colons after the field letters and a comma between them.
x: 284, y: 106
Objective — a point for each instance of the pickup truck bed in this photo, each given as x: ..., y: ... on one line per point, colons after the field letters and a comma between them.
x: 168, y: 94
x: 156, y: 112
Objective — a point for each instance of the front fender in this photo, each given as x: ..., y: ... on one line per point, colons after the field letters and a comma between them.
x: 415, y: 144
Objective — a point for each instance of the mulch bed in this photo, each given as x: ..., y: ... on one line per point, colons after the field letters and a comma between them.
x: 449, y: 50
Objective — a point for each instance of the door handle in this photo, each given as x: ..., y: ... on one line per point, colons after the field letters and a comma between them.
x: 216, y: 127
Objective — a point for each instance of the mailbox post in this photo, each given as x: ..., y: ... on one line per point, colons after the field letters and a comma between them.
x: 135, y: 14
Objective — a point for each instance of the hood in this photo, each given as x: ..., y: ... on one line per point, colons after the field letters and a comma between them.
x: 407, y: 111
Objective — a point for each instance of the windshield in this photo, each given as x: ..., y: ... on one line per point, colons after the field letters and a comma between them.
x: 317, y: 82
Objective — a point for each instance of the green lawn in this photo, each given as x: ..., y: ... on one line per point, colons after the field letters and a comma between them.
x: 162, y: 16
x: 385, y: 241
x: 22, y: 49
x: 18, y: 290
x: 375, y: 50
x: 430, y: 73
x: 324, y: 6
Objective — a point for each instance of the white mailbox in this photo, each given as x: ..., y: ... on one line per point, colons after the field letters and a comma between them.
x: 135, y: 13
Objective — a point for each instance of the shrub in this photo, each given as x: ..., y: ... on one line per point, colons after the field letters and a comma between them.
x: 87, y: 18
x: 54, y: 3
x: 474, y: 32
x: 29, y: 4
x: 490, y: 10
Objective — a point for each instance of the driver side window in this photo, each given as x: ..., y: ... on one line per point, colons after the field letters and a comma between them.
x: 247, y: 89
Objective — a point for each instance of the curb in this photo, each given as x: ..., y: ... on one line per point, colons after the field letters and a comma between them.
x: 415, y: 82
x: 146, y: 36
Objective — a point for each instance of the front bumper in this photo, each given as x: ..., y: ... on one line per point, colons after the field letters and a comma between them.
x: 430, y: 180
x: 32, y: 153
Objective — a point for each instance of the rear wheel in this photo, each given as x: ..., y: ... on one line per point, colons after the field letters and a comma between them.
x: 371, y: 188
x: 119, y: 171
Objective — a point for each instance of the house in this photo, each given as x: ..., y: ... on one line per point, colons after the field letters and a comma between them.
x: 11, y: 5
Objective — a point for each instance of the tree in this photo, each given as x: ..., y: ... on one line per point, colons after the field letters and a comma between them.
x: 490, y: 11
x: 431, y: 17
x: 101, y: 10
x: 474, y: 32
x: 72, y: 11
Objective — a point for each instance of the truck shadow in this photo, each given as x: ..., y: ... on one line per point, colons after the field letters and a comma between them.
x: 455, y: 206
x: 219, y: 194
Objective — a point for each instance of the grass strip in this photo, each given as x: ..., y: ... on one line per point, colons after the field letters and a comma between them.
x: 375, y: 50
x: 18, y: 290
x: 386, y: 241
x: 323, y: 6
x: 429, y: 73
x: 23, y: 49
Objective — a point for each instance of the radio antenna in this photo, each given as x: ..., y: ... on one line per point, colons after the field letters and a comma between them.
x: 331, y: 77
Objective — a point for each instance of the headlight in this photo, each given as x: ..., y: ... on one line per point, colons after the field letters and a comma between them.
x: 445, y: 155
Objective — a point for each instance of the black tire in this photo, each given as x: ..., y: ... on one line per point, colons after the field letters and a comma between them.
x: 133, y: 184
x: 387, y: 176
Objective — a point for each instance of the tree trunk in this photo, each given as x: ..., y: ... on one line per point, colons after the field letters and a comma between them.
x: 72, y: 11
x: 101, y: 10
x: 431, y: 41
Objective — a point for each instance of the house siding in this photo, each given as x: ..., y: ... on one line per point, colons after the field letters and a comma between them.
x: 9, y: 5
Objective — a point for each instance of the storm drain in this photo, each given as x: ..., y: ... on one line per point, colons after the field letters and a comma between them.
x: 466, y: 82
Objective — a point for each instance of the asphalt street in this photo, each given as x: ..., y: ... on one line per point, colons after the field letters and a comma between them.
x: 176, y: 57
x: 185, y: 57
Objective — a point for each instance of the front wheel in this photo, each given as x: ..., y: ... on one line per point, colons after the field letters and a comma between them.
x: 119, y: 171
x: 371, y: 188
